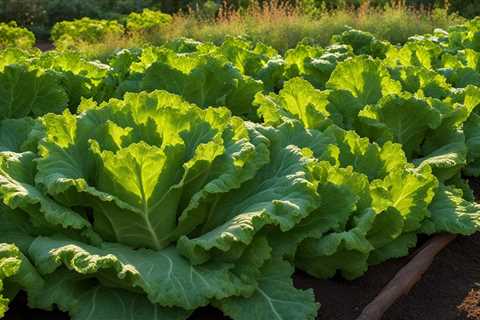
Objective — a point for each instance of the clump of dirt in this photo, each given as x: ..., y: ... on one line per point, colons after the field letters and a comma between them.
x: 45, y: 45
x: 471, y: 305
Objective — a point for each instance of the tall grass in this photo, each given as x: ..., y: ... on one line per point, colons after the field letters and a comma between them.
x: 110, y: 44
x: 283, y: 26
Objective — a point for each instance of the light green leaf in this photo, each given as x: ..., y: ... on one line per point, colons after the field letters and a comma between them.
x: 16, y: 273
x: 297, y: 100
x: 365, y: 78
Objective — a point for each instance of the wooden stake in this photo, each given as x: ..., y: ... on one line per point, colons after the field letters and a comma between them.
x: 406, y: 278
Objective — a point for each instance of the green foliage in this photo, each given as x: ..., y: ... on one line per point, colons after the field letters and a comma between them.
x: 147, y: 20
x: 24, y: 92
x: 362, y: 43
x: 11, y: 35
x: 67, y: 34
x: 467, y: 8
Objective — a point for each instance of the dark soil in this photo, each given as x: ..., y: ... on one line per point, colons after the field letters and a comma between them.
x: 450, y: 290
x: 45, y: 45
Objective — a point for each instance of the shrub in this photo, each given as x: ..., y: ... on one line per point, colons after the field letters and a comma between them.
x: 147, y: 20
x: 11, y: 35
x: 66, y: 34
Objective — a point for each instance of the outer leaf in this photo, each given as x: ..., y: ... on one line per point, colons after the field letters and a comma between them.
x: 10, y: 263
x: 18, y: 190
x: 24, y: 92
x: 14, y: 133
x: 472, y: 135
x: 342, y: 192
x: 165, y: 276
x: 275, y: 298
x: 397, y: 248
x: 18, y: 273
x: 16, y: 227
x: 451, y: 213
x: 84, y: 299
x: 346, y: 251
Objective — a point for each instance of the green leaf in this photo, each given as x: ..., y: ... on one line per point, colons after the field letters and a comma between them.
x: 399, y: 118
x: 472, y: 140
x: 10, y: 263
x: 368, y: 158
x: 26, y: 92
x: 451, y: 213
x: 342, y: 192
x: 297, y: 100
x: 409, y: 191
x: 362, y: 43
x: 18, y: 190
x: 221, y: 84
x: 164, y: 276
x: 83, y: 298
x: 421, y: 81
x: 365, y: 78
x: 396, y: 248
x: 16, y: 272
x: 14, y: 133
x: 274, y: 298
x: 446, y: 152
x: 346, y: 251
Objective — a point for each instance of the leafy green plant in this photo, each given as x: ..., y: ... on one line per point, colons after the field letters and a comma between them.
x: 11, y: 35
x: 67, y: 34
x: 210, y: 159
x: 147, y: 21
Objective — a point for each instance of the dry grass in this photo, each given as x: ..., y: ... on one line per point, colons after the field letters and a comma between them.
x: 283, y: 26
x: 110, y: 44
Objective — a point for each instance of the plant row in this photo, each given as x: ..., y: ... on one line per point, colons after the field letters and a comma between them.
x: 68, y: 34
